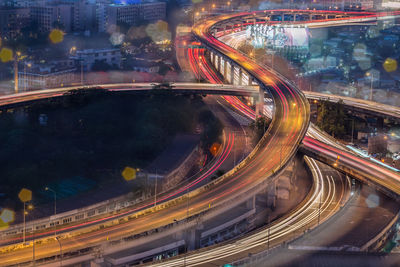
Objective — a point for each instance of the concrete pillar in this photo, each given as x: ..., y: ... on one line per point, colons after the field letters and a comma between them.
x: 271, y: 195
x: 217, y: 59
x: 232, y: 72
x: 97, y: 262
x: 260, y: 103
x: 225, y: 67
x: 194, y: 239
x: 240, y: 76
x: 251, y: 203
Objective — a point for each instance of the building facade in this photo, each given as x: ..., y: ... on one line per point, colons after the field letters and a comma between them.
x: 135, y: 13
x: 47, y: 76
x: 48, y: 16
x: 88, y: 57
x: 12, y: 20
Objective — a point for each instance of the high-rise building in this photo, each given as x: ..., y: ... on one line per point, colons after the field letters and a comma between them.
x: 50, y: 15
x: 132, y: 14
x: 12, y: 20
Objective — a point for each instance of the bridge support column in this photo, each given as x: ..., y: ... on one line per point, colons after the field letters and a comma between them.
x: 208, y: 55
x: 260, y: 103
x: 225, y: 69
x: 251, y: 203
x: 97, y: 262
x: 271, y: 195
x: 217, y: 60
x: 193, y: 239
x: 232, y: 72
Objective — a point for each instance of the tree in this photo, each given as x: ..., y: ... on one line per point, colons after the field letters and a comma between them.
x: 58, y: 25
x: 212, y: 127
x: 101, y: 65
x: 246, y: 48
x: 259, y: 127
x: 331, y: 118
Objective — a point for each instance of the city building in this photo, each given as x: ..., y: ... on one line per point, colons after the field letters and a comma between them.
x: 50, y: 75
x: 377, y: 144
x: 50, y: 15
x: 12, y: 20
x: 145, y: 66
x: 133, y: 14
x: 88, y: 57
x: 348, y: 5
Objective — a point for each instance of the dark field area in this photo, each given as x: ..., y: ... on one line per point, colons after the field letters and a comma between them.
x: 87, y: 138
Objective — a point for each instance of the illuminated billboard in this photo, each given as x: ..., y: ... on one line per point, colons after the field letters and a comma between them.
x: 283, y: 36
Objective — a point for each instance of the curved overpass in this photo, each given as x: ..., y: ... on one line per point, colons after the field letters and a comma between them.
x: 375, y: 174
x: 382, y: 177
x: 221, y: 193
x: 287, y: 130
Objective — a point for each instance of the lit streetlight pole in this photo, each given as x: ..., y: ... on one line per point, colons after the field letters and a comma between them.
x: 25, y: 75
x: 155, y: 190
x: 18, y: 57
x: 55, y: 207
x: 59, y: 243
x: 371, y: 76
x: 30, y: 207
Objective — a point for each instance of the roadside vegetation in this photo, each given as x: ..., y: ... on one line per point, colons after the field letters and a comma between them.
x: 259, y: 127
x: 93, y: 135
x: 331, y: 118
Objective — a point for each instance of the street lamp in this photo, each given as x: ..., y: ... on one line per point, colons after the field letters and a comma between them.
x: 199, y: 76
x: 18, y: 56
x: 59, y: 243
x: 371, y: 75
x: 25, y: 76
x: 55, y: 207
x: 72, y: 50
x: 30, y: 207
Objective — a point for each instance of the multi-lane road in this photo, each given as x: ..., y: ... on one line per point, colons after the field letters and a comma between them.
x: 326, y: 147
x: 289, y: 125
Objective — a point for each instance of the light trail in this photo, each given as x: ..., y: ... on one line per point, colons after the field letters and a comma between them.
x: 322, y: 202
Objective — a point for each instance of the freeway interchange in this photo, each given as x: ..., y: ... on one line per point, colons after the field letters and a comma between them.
x: 287, y: 131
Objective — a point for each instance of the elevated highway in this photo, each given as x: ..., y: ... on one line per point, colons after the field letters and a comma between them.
x: 289, y: 125
x: 229, y: 188
x: 380, y: 175
x: 10, y: 101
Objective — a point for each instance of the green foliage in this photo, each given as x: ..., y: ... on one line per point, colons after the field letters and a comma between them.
x: 331, y: 118
x: 246, y: 48
x: 218, y: 173
x: 89, y: 133
x: 212, y: 128
x: 259, y: 127
x: 101, y: 65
